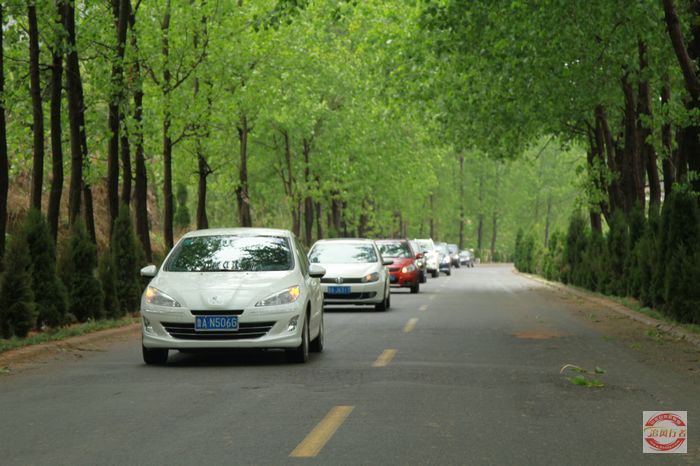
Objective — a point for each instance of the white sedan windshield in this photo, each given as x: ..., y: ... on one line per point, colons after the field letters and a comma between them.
x: 231, y: 254
x: 339, y: 253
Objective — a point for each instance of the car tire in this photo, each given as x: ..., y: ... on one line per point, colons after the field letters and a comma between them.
x: 154, y: 356
x: 449, y: 272
x: 316, y: 345
x: 423, y: 277
x: 300, y: 354
x: 415, y: 288
x: 384, y: 305
x: 436, y: 273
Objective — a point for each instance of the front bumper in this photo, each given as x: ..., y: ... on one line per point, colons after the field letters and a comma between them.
x: 360, y: 293
x: 400, y: 279
x: 258, y: 328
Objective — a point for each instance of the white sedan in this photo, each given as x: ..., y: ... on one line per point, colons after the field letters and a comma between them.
x: 233, y: 288
x: 355, y: 272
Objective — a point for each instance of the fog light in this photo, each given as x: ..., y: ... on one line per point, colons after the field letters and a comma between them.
x: 292, y: 324
x: 147, y: 325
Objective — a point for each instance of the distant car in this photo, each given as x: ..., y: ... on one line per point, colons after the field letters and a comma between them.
x: 403, y: 273
x: 356, y: 273
x: 420, y: 262
x: 444, y: 258
x: 431, y: 256
x: 233, y: 288
x: 466, y: 258
x: 454, y: 254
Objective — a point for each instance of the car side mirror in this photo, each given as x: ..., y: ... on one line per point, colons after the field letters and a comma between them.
x: 387, y: 261
x: 419, y: 255
x: 316, y: 271
x: 149, y: 271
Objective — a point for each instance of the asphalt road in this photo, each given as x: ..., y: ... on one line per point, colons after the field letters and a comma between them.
x: 466, y: 372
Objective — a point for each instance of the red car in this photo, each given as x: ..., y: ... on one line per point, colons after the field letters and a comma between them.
x: 404, y: 273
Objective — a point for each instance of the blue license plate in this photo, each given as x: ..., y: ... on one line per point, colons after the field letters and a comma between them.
x: 392, y: 278
x: 216, y: 323
x: 338, y: 290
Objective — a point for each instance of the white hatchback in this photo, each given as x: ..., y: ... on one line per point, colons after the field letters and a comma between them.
x: 233, y: 288
x: 355, y: 272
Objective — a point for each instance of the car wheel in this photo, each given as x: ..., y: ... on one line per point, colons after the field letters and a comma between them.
x: 423, y: 277
x: 458, y: 266
x: 415, y: 288
x: 154, y: 356
x: 384, y: 305
x: 300, y: 354
x: 316, y: 345
x: 436, y: 273
x: 388, y: 301
x: 449, y: 272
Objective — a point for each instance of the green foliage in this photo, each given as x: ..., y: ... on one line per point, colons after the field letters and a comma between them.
x: 647, y: 256
x: 50, y: 293
x: 85, y: 296
x: 553, y: 262
x: 17, y: 308
x: 125, y: 256
x: 108, y: 279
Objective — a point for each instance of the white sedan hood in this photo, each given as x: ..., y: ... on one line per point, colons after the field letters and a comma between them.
x: 349, y: 270
x: 222, y: 290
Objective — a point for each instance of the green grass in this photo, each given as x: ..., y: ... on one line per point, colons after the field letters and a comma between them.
x: 64, y: 332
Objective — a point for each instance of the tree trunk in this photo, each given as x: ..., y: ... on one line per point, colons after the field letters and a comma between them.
x: 319, y: 213
x: 308, y: 202
x: 669, y: 171
x: 632, y: 168
x: 141, y: 176
x: 37, y: 109
x: 596, y: 157
x: 203, y: 171
x: 54, y: 209
x: 480, y: 225
x: 75, y: 113
x: 603, y: 130
x: 89, y: 212
x: 167, y: 139
x: 689, y: 146
x: 494, y: 222
x: 242, y: 195
x: 4, y: 163
x: 336, y: 213
x: 461, y: 202
x: 432, y: 217
x: 646, y: 148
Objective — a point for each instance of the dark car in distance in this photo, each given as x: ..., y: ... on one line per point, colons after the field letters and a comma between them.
x: 444, y: 258
x: 454, y: 254
x: 404, y: 273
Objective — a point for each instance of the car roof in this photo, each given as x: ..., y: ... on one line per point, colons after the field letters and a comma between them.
x: 239, y: 231
x: 346, y: 240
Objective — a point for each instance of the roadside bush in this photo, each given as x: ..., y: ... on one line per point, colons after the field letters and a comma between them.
x: 637, y: 229
x: 553, y: 260
x: 594, y: 273
x: 680, y: 246
x: 108, y: 280
x: 517, y: 250
x: 85, y: 296
x: 618, y: 246
x: 574, y: 248
x: 17, y: 307
x: 647, y: 252
x: 125, y: 256
x: 50, y: 297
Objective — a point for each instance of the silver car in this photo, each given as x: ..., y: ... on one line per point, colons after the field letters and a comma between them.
x: 356, y: 273
x: 233, y: 288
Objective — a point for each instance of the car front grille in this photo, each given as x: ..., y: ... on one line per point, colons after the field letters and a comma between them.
x: 394, y: 269
x: 217, y: 313
x: 246, y: 331
x: 368, y: 295
x: 344, y: 280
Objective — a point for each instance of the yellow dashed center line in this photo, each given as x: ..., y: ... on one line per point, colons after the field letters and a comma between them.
x: 384, y: 358
x: 424, y: 307
x: 322, y: 433
x: 410, y: 325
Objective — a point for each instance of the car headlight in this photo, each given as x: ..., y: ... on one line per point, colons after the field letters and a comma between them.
x: 446, y: 259
x: 409, y: 268
x: 158, y: 298
x: 419, y: 263
x: 372, y: 277
x: 287, y: 296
